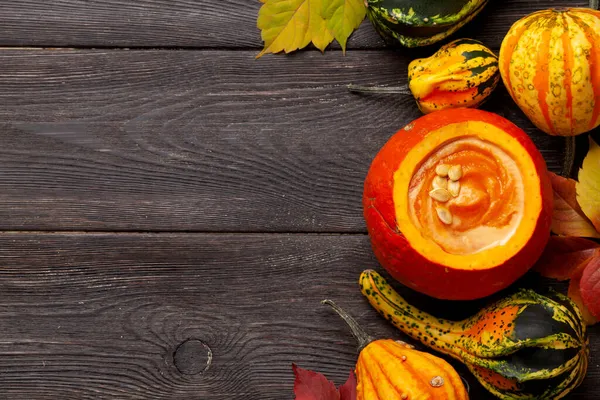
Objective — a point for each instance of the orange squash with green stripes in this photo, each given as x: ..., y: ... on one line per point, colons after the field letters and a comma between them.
x: 393, y: 370
x: 550, y: 64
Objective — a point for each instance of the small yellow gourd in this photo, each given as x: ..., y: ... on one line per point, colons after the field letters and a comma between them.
x: 388, y: 369
x: 462, y: 73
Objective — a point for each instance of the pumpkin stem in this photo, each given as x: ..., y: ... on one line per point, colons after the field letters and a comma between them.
x: 378, y: 89
x: 359, y: 333
x: 594, y: 4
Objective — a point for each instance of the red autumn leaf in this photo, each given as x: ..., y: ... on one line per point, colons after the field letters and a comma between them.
x: 567, y: 216
x: 311, y: 385
x: 564, y: 256
x: 348, y: 389
x: 590, y: 286
x: 575, y: 295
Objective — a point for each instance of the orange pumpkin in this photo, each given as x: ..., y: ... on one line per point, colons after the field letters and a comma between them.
x: 393, y: 370
x: 444, y: 203
x: 550, y: 63
x: 415, y: 374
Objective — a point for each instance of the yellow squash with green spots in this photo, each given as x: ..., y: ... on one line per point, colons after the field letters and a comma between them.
x: 524, y: 347
x: 550, y: 64
x: 462, y: 73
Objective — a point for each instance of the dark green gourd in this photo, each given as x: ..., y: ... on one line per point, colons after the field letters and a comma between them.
x: 420, y: 23
x: 524, y: 347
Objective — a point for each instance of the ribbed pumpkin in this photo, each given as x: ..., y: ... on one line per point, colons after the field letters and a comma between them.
x: 462, y: 73
x: 550, y: 63
x: 394, y: 370
x: 526, y: 346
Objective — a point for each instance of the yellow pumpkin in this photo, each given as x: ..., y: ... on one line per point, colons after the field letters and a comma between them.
x: 550, y: 64
x: 393, y: 370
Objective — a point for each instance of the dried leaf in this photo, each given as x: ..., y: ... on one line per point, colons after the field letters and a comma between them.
x: 343, y: 17
x: 567, y: 217
x: 311, y: 385
x: 348, y: 389
x: 565, y: 256
x: 588, y: 187
x: 590, y: 286
x: 575, y: 295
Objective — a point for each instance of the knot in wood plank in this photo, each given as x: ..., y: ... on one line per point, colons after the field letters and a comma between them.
x: 192, y: 357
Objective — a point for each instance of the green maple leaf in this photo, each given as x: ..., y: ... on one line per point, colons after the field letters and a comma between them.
x: 343, y: 17
x: 288, y: 25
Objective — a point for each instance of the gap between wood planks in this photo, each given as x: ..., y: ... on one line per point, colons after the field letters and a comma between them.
x: 155, y: 48
x: 175, y: 233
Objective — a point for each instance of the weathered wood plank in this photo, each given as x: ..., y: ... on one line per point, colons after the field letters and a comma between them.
x: 199, y: 140
x: 194, y: 23
x: 102, y: 316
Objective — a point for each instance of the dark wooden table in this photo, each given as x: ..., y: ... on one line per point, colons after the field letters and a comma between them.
x: 164, y: 195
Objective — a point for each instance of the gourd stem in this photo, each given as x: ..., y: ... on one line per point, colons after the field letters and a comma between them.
x: 594, y: 4
x: 359, y: 333
x: 378, y: 89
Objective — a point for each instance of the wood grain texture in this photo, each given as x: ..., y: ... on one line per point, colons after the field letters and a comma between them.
x: 195, y: 23
x: 100, y: 316
x: 199, y: 140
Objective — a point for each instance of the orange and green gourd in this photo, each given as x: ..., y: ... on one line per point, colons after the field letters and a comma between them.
x: 550, y: 64
x: 393, y: 370
x: 524, y: 347
x: 462, y: 73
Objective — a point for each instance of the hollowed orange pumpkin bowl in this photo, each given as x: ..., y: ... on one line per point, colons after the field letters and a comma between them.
x: 458, y: 204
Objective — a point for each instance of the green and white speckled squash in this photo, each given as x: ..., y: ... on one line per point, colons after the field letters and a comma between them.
x: 420, y: 23
x: 524, y: 347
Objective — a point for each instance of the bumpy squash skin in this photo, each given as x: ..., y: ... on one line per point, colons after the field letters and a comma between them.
x: 462, y: 73
x: 526, y: 346
x: 387, y: 369
x: 550, y: 64
x: 392, y: 249
x: 425, y: 13
x: 412, y: 25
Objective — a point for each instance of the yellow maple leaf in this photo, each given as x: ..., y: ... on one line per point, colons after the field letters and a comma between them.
x: 288, y: 25
x: 343, y: 17
x: 588, y: 187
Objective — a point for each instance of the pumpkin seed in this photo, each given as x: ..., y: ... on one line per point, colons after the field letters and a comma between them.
x: 444, y: 215
x: 442, y: 169
x: 455, y: 172
x: 437, y: 381
x: 441, y: 195
x: 454, y: 188
x: 439, y: 182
